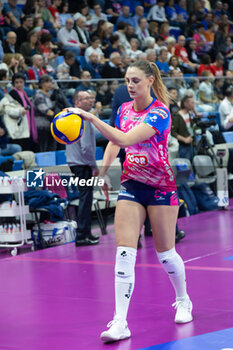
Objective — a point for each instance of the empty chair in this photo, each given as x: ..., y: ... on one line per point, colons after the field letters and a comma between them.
x: 204, y: 169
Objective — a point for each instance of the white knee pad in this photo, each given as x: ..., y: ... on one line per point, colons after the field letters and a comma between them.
x: 125, y: 263
x: 171, y: 262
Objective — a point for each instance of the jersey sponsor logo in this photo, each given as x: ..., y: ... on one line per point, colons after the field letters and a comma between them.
x: 138, y: 159
x: 146, y: 145
x: 135, y: 118
x: 124, y: 117
x: 163, y: 113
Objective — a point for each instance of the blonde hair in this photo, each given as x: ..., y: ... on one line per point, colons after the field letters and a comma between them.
x: 158, y: 87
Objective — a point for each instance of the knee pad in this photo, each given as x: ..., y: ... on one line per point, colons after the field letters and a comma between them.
x: 171, y: 262
x: 125, y: 262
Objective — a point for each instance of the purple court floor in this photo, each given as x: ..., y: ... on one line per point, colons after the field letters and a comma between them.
x: 62, y: 298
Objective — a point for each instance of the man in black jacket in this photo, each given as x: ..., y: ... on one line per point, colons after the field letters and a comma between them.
x: 9, y: 45
x: 112, y: 69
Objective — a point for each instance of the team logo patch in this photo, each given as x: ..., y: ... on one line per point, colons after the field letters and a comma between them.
x: 163, y: 113
x: 138, y: 159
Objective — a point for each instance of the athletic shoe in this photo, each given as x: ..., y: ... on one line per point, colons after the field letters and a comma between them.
x: 118, y: 330
x: 183, y: 308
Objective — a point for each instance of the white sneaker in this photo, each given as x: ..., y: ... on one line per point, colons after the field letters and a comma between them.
x: 118, y: 330
x: 183, y: 308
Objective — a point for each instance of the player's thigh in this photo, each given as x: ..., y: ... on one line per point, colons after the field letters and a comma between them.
x: 129, y: 218
x: 163, y: 222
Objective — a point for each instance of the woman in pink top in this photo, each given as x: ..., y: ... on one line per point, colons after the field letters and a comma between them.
x: 142, y: 128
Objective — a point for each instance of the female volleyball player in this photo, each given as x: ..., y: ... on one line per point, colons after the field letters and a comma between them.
x: 142, y: 128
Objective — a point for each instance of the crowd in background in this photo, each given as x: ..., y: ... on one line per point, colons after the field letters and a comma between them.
x: 83, y: 41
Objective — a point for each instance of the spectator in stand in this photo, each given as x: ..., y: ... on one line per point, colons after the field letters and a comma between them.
x: 209, y: 34
x: 12, y: 14
x: 150, y: 55
x: 95, y: 43
x: 101, y: 33
x: 181, y: 127
x: 109, y: 30
x: 181, y: 52
x: 93, y: 66
x: 205, y: 65
x: 29, y: 8
x: 1, y: 52
x: 191, y: 25
x: 18, y: 115
x: 228, y: 81
x: 113, y: 9
x: 3, y: 26
x: 157, y: 13
x: 153, y: 29
x: 48, y: 49
x: 43, y: 109
x: 207, y: 20
x: 87, y: 84
x: 150, y: 43
x: 174, y: 105
x: 12, y: 64
x: 125, y: 16
x: 171, y: 13
x: 229, y: 52
x: 54, y: 10
x: 226, y: 110
x: 68, y: 37
x: 192, y: 51
x: 121, y: 29
x: 164, y: 30
x: 139, y: 13
x: 113, y: 68
x: 174, y: 64
x: 217, y: 66
x: 4, y: 90
x: 65, y: 14
x: 202, y: 45
x: 103, y: 94
x: 96, y: 16
x: 130, y: 33
x: 83, y: 35
x: 64, y: 73
x: 49, y: 22
x: 113, y: 47
x: 218, y: 9
x: 84, y: 11
x: 220, y: 44
x: 30, y: 47
x: 207, y: 95
x: 133, y: 52
x: 170, y: 44
x: 6, y: 148
x: 162, y: 62
x: 199, y: 10
x: 142, y: 31
x: 22, y: 67
x: 218, y: 88
x: 37, y: 70
x: 125, y: 59
x: 24, y: 29
x: 9, y: 45
x: 181, y: 11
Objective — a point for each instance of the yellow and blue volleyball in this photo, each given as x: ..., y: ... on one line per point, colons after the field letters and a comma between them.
x: 67, y: 127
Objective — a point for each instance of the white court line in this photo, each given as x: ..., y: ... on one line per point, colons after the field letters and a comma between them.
x: 204, y: 256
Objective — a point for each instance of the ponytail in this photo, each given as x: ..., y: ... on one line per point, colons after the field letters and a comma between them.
x: 158, y: 87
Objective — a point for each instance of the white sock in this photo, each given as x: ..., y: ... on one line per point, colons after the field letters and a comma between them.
x: 174, y: 266
x: 124, y: 279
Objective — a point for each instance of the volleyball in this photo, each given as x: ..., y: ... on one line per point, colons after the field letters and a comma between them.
x: 67, y: 127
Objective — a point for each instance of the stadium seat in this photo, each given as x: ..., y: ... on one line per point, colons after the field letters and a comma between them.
x: 228, y: 136
x: 45, y: 158
x: 60, y: 60
x: 61, y: 157
x: 99, y: 153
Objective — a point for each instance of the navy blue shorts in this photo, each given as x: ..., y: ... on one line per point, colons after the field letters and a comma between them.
x: 146, y: 195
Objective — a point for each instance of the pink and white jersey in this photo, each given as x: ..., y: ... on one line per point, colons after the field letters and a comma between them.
x: 147, y: 162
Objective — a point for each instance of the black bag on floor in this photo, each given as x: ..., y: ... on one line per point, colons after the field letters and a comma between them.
x: 185, y: 193
x: 205, y: 197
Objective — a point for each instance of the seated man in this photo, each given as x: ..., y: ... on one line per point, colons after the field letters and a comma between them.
x: 226, y: 110
x: 68, y: 37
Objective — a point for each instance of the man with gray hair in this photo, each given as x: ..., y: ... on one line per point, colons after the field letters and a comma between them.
x: 81, y: 160
x: 113, y: 68
x: 68, y: 37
